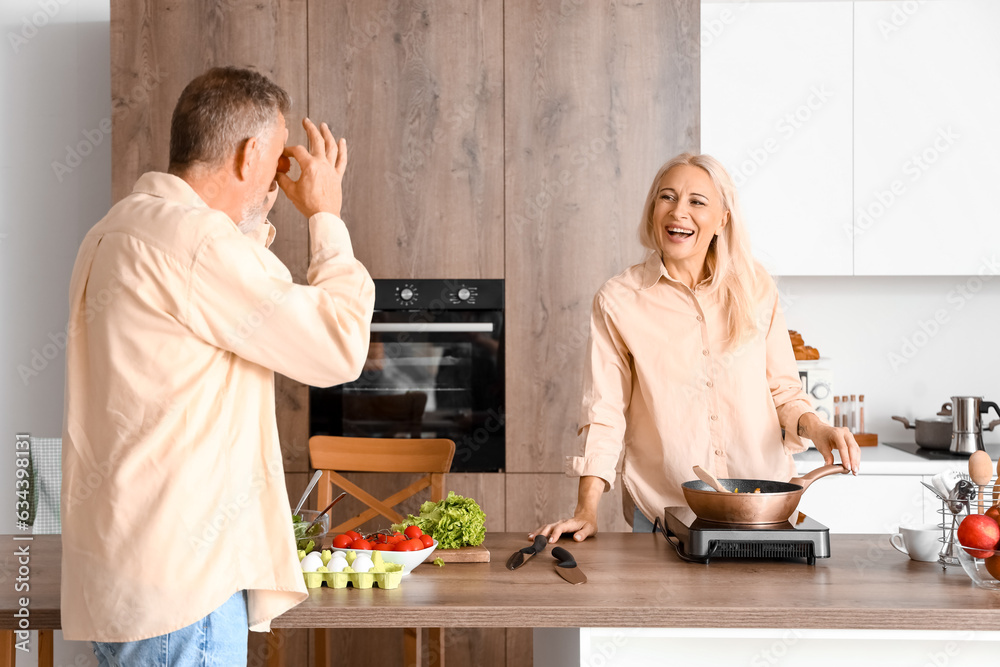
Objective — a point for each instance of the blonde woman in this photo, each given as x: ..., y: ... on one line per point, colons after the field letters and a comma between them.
x: 689, y: 361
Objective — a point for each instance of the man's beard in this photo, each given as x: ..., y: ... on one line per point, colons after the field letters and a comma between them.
x: 253, y: 216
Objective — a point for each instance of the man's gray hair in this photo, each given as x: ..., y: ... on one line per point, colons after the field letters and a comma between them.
x: 218, y: 111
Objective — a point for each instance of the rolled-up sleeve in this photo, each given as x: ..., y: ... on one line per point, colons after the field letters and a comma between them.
x: 242, y: 299
x: 790, y: 401
x: 606, y: 395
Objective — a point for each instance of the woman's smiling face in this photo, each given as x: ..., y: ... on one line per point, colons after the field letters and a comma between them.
x: 687, y: 215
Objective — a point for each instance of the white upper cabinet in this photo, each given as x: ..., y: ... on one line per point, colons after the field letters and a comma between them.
x: 926, y: 137
x: 776, y: 107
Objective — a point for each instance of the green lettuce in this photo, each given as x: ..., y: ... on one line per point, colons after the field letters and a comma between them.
x: 454, y: 522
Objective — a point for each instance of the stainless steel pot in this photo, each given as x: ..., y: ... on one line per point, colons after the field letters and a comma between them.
x: 933, y: 432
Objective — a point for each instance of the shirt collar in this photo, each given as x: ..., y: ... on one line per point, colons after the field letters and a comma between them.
x: 177, y: 189
x: 653, y: 269
x: 169, y: 187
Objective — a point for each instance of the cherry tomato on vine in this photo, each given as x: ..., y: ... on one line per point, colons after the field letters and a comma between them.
x: 413, y: 532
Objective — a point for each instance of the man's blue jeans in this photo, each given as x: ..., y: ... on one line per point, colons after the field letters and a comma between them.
x: 218, y: 640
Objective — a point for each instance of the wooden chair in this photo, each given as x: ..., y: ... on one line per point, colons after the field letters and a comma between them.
x: 334, y: 455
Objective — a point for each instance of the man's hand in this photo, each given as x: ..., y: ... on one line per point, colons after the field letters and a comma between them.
x: 319, y: 188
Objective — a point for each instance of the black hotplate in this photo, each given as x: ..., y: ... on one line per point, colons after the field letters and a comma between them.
x: 698, y: 541
x: 938, y: 454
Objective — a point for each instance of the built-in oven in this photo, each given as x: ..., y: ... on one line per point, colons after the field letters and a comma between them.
x: 435, y: 369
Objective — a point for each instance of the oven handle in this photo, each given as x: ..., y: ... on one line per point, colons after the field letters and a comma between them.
x: 432, y: 327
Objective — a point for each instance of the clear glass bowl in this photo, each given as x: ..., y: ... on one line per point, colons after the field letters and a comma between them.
x: 976, y: 567
x: 316, y: 533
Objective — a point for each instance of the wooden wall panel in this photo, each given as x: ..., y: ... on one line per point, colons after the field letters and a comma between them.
x: 535, y: 499
x: 597, y: 96
x: 417, y: 89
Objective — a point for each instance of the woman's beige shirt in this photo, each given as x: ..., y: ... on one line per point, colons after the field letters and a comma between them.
x: 661, y: 383
x: 173, y: 492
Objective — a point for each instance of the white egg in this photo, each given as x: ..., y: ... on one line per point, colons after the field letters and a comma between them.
x: 341, y: 554
x: 337, y: 564
x: 311, y: 562
x: 362, y: 564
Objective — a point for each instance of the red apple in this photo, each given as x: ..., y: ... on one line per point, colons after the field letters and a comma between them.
x: 993, y: 513
x: 977, y: 532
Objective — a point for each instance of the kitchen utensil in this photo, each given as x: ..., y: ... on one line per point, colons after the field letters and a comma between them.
x: 967, y: 425
x: 774, y: 504
x: 566, y: 567
x: 963, y: 493
x: 932, y: 432
x: 981, y: 472
x: 521, y: 556
x: 918, y: 542
x: 934, y: 491
x: 309, y: 488
x: 323, y: 513
x: 709, y: 479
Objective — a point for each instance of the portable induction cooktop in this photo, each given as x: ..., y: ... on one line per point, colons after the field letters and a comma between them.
x: 699, y: 541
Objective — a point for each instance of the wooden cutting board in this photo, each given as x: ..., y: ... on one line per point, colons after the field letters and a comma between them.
x: 478, y: 554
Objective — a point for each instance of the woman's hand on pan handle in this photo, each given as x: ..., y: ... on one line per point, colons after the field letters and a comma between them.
x: 827, y: 438
x: 583, y: 524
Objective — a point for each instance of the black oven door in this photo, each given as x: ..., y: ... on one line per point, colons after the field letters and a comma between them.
x: 426, y: 377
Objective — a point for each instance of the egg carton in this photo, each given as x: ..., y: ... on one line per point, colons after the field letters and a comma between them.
x: 386, y: 580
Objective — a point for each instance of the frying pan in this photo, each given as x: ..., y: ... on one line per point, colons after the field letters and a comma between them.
x: 774, y: 504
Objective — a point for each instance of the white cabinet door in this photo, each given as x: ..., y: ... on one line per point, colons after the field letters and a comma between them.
x: 776, y: 105
x: 926, y: 137
x: 866, y: 503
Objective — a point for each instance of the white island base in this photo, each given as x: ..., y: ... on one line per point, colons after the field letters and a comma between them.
x: 753, y: 647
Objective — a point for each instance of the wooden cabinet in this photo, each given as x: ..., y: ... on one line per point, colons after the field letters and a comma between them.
x: 776, y: 107
x: 927, y: 94
x: 418, y: 90
x: 597, y: 97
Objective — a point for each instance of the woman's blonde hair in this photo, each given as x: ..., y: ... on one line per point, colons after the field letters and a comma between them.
x: 730, y: 265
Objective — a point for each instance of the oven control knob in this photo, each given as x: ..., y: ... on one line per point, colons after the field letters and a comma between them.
x: 464, y: 294
x: 406, y: 294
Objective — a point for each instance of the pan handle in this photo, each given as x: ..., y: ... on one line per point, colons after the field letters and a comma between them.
x: 905, y: 422
x: 818, y: 473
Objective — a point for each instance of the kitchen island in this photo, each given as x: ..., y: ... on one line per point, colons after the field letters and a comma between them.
x: 635, y: 581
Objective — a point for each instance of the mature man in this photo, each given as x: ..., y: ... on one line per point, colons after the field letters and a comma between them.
x: 176, y: 527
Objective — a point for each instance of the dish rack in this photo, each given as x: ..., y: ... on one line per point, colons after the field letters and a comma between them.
x: 949, y: 522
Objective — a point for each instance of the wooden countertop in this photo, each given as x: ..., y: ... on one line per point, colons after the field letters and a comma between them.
x: 634, y: 581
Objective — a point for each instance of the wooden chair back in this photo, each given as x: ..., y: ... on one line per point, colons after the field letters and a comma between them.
x: 333, y: 455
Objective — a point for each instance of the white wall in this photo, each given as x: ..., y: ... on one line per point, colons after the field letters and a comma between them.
x: 907, y: 344
x: 56, y: 90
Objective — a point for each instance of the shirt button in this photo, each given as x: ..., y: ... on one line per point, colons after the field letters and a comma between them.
x: 701, y: 319
x: 709, y: 384
x: 705, y: 352
x: 715, y: 417
x: 719, y: 452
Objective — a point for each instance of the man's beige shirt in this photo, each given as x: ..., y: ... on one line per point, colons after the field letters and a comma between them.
x: 173, y: 493
x: 661, y: 383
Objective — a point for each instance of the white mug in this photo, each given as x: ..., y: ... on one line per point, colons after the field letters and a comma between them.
x: 919, y: 542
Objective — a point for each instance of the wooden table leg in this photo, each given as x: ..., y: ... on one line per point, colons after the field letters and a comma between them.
x: 411, y: 647
x: 45, y: 653
x: 276, y: 648
x: 435, y: 647
x: 6, y: 648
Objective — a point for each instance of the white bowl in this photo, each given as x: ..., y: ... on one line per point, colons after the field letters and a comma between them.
x: 408, y: 559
